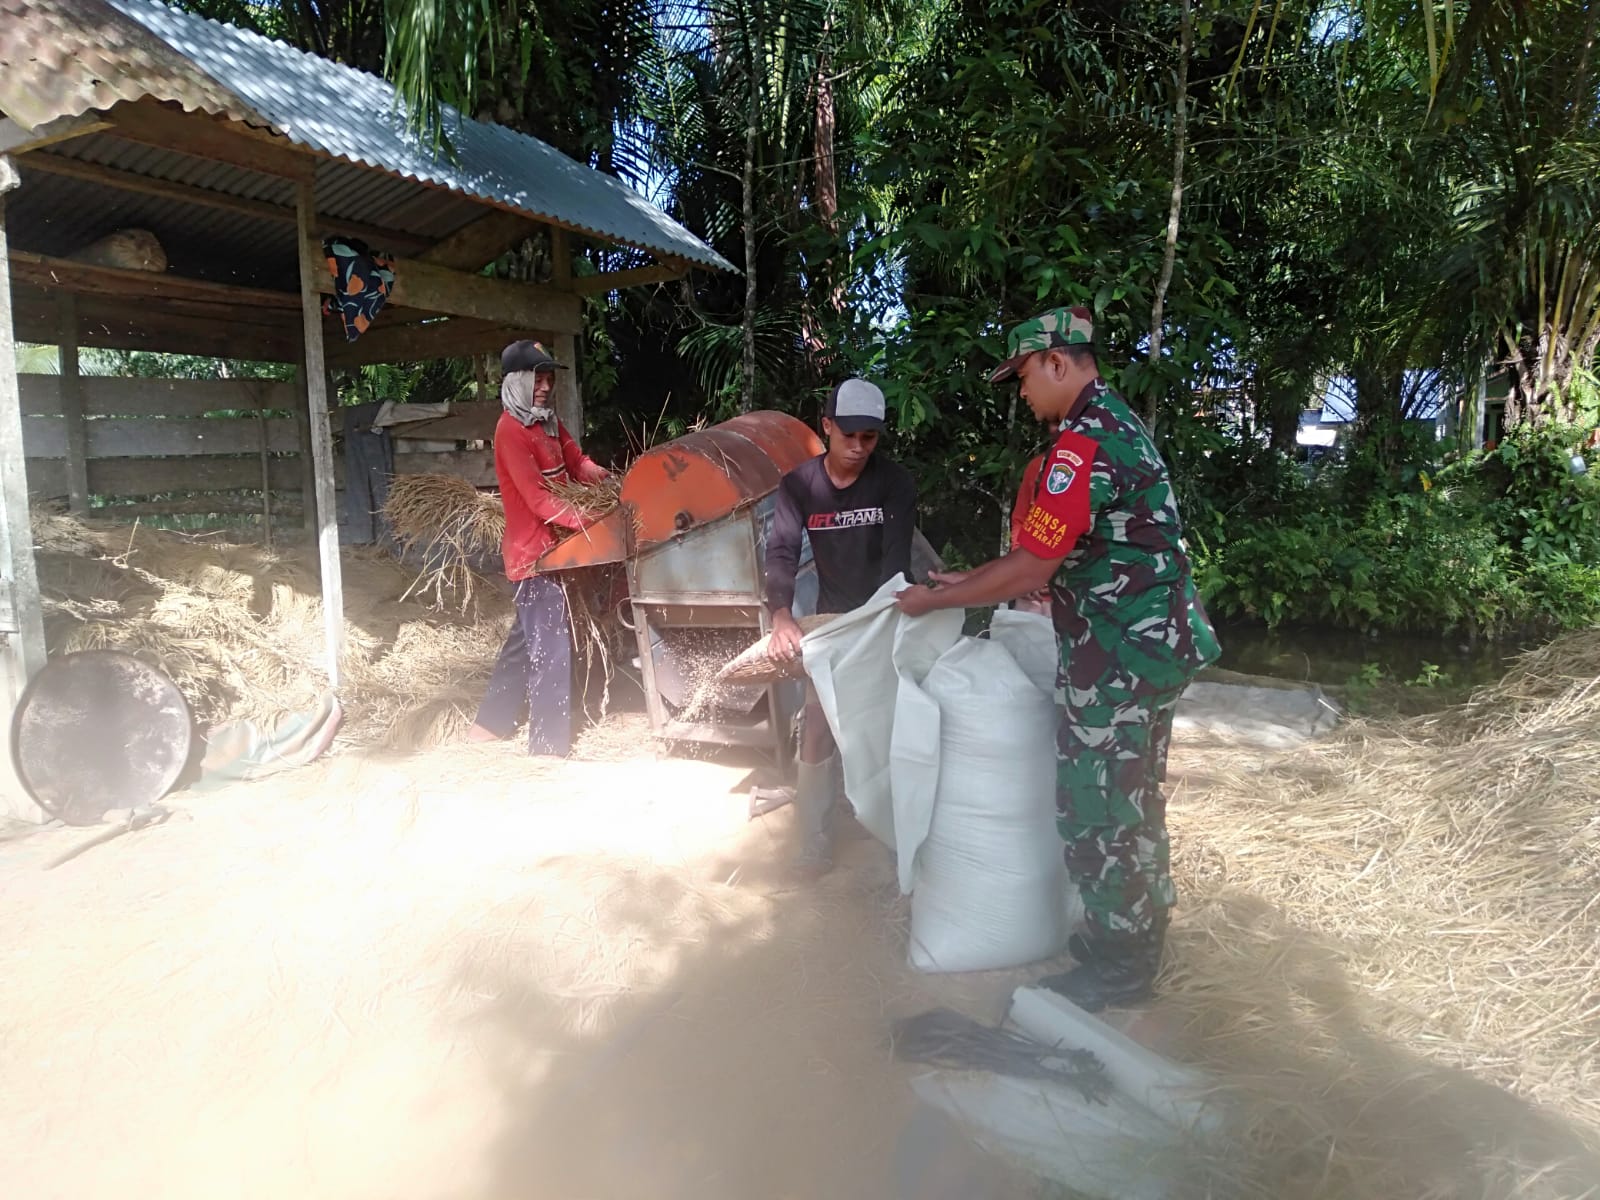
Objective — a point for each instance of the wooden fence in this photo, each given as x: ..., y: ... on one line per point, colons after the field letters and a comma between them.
x: 225, y: 453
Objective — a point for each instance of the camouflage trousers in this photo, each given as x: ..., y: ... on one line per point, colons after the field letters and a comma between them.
x: 1112, y: 814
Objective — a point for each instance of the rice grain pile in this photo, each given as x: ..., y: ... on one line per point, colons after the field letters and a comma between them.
x: 239, y: 628
x: 451, y: 525
x: 1388, y: 949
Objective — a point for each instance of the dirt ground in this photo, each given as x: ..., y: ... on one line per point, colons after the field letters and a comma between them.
x: 466, y: 975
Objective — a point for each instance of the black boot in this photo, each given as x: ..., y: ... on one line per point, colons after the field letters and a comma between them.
x: 1107, y: 980
x: 1111, y: 972
x: 1082, y: 948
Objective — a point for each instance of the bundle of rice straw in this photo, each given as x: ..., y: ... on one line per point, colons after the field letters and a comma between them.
x: 239, y: 628
x: 451, y: 524
x: 754, y: 666
x: 1388, y: 946
x: 594, y: 499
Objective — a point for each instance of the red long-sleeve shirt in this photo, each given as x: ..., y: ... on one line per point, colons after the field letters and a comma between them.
x: 526, y: 461
x: 1030, y: 485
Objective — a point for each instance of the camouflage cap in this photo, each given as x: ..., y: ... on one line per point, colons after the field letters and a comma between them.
x: 1048, y: 331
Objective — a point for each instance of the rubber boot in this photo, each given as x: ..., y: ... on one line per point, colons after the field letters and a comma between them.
x: 814, y: 799
x: 1084, y: 948
x: 1112, y: 972
x: 846, y: 826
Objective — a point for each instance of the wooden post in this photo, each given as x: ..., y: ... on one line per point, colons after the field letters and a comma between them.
x: 22, y: 620
x: 72, y: 404
x: 302, y: 426
x: 569, y: 403
x: 316, y: 378
x: 266, y: 467
x: 1480, y: 408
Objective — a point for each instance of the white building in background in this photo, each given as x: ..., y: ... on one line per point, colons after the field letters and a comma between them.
x: 1323, y: 429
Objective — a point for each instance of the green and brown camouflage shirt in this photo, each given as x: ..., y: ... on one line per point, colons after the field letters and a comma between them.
x: 1131, y: 622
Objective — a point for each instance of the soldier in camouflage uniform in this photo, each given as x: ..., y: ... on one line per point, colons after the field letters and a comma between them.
x: 1103, y: 532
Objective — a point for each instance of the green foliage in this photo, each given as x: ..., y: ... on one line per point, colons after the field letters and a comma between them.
x: 1381, y: 192
x: 1535, y: 501
x: 1499, y: 543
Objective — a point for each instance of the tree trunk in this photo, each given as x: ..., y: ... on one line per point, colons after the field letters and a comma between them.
x: 1280, y: 410
x: 825, y: 203
x: 1180, y: 130
x: 1378, y: 416
x: 747, y: 391
x: 827, y: 179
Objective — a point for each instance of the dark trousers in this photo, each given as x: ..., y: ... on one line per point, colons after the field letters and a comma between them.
x: 534, y: 669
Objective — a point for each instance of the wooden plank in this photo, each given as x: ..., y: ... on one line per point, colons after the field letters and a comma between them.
x: 216, y: 138
x: 24, y: 652
x: 219, y: 341
x: 221, y: 504
x: 611, y: 281
x: 475, y: 466
x: 438, y: 289
x: 474, y: 420
x: 119, y: 325
x: 73, y: 436
x: 568, y: 400
x: 153, y: 437
x: 149, y: 476
x: 278, y: 322
x: 561, y: 259
x: 14, y: 139
x: 105, y: 396
x: 47, y: 478
x: 479, y: 243
x: 54, y: 274
x: 381, y: 236
x: 146, y: 476
x: 313, y: 269
x: 263, y: 440
x: 454, y: 337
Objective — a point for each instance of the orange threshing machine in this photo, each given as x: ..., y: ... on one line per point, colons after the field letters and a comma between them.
x: 691, y: 534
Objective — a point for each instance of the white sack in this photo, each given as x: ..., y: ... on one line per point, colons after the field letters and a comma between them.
x: 866, y: 666
x: 948, y: 751
x: 990, y: 883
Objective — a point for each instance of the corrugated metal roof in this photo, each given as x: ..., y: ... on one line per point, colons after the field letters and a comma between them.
x: 352, y: 115
x: 344, y: 190
x: 62, y: 58
x: 58, y: 216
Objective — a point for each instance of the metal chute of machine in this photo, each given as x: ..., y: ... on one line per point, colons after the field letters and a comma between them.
x: 691, y: 532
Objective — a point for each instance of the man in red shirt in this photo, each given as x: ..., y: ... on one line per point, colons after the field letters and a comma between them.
x: 532, y: 450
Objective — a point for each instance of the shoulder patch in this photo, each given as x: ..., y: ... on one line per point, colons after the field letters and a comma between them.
x: 1070, y: 456
x: 1060, y: 478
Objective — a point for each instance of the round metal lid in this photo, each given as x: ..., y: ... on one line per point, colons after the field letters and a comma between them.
x: 98, y: 730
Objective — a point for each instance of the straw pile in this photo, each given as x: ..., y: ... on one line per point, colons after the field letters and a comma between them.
x: 1389, y: 946
x: 239, y: 628
x: 451, y: 525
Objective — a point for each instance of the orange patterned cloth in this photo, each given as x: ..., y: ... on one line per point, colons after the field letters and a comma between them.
x: 362, y: 281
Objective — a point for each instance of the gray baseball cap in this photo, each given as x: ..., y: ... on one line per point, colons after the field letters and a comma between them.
x: 856, y: 405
